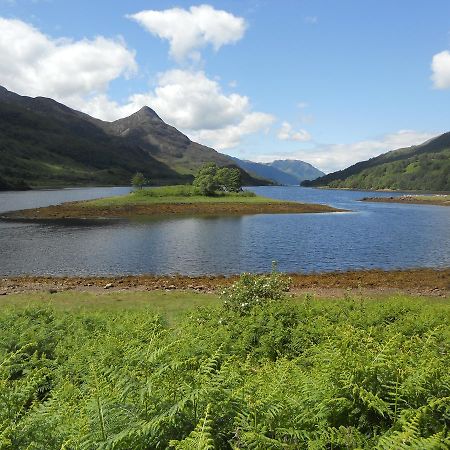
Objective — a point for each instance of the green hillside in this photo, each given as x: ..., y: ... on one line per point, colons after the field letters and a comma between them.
x: 422, y: 167
x: 46, y: 144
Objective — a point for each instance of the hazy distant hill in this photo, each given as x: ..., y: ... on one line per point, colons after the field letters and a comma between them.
x: 45, y: 143
x: 301, y: 170
x: 286, y: 172
x: 420, y: 167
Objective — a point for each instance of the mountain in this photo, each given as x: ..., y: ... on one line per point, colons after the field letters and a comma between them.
x: 286, y: 172
x: 420, y: 167
x: 45, y: 143
x: 299, y: 169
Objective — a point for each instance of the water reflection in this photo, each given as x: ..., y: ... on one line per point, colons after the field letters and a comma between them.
x: 373, y: 235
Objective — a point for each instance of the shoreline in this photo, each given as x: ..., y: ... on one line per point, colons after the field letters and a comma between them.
x: 81, y: 210
x: 436, y: 200
x: 432, y: 282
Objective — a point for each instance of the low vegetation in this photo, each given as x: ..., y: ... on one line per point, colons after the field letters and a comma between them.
x: 255, y: 369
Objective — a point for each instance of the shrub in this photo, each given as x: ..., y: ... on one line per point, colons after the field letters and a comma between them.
x: 255, y: 290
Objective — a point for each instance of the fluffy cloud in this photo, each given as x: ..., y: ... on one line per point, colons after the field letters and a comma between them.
x: 78, y: 73
x: 330, y: 158
x: 286, y: 133
x: 190, y: 30
x: 441, y: 70
x: 34, y: 64
x: 231, y: 135
x: 194, y: 103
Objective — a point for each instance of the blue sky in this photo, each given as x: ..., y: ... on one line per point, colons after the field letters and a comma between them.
x: 329, y: 82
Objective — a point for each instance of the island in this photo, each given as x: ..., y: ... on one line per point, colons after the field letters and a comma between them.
x: 168, y: 201
x: 436, y: 199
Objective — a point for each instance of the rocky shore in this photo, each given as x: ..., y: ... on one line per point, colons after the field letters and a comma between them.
x: 431, y: 282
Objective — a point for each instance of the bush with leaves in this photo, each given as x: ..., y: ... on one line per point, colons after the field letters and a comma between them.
x: 138, y: 181
x: 255, y: 290
x: 210, y: 179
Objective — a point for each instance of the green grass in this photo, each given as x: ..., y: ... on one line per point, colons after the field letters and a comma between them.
x: 444, y: 198
x: 177, y: 194
x: 141, y: 370
x: 172, y: 305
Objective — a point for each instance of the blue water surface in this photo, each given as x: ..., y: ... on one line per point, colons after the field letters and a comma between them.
x: 372, y: 235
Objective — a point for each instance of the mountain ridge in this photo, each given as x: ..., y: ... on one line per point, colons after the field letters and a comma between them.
x: 424, y: 166
x: 45, y: 143
x: 288, y: 172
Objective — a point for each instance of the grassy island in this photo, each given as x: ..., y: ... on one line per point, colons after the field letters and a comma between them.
x: 437, y: 199
x: 169, y: 200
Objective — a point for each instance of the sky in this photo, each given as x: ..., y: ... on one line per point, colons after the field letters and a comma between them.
x: 330, y: 82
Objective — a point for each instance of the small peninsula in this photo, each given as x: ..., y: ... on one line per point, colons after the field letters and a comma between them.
x: 437, y: 199
x: 169, y: 200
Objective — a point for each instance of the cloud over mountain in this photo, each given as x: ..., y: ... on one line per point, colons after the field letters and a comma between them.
x: 35, y: 64
x: 188, y: 31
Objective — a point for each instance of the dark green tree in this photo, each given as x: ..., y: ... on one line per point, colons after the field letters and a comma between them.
x: 210, y: 178
x: 206, y: 180
x: 138, y: 181
x: 229, y: 179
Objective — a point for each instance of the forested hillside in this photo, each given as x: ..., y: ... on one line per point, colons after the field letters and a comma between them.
x: 421, y: 167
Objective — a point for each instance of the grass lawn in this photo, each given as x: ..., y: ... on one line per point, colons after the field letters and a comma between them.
x: 177, y: 194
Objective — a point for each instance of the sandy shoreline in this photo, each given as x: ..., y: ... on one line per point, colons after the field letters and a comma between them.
x: 432, y: 282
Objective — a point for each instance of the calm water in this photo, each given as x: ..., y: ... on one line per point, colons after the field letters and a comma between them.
x: 374, y: 235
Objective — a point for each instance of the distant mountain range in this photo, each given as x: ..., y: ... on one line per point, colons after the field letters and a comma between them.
x: 44, y: 143
x: 420, y: 167
x: 287, y: 172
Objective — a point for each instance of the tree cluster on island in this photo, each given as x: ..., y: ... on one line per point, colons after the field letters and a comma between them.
x: 209, y: 180
x: 212, y: 178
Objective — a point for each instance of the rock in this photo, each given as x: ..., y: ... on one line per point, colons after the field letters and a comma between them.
x: 108, y: 286
x: 52, y: 291
x: 2, y: 293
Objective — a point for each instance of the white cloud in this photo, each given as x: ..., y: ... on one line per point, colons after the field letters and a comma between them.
x: 330, y: 158
x: 188, y: 31
x: 230, y: 136
x: 286, y: 133
x: 191, y: 100
x: 78, y: 74
x: 441, y: 70
x: 34, y: 64
x: 193, y: 103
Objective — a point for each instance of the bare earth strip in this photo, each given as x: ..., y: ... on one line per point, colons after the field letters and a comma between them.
x: 430, y: 282
x: 79, y: 210
x: 439, y: 200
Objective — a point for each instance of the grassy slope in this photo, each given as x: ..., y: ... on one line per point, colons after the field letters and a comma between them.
x: 102, y: 371
x: 51, y: 151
